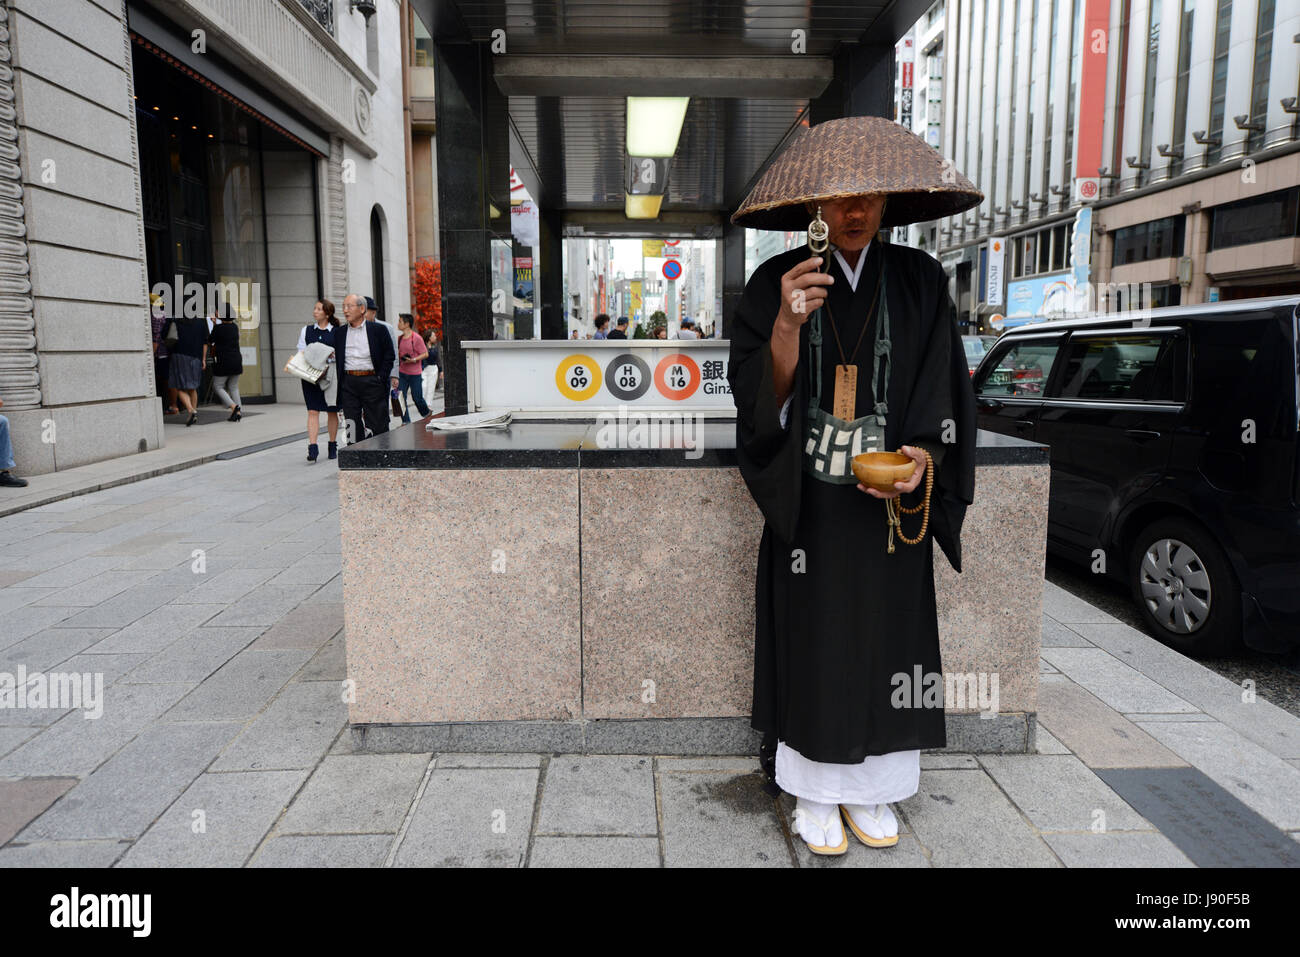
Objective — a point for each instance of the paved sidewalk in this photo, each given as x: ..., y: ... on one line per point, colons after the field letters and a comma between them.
x: 210, y: 601
x: 184, y: 447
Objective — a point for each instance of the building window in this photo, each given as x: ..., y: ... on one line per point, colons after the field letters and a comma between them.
x: 1166, y: 294
x: 377, y: 259
x: 1180, y: 88
x: 1158, y: 239
x: 1256, y: 220
x: 934, y: 13
x: 322, y: 11
x: 1219, y: 84
x: 372, y: 44
x: 1259, y: 84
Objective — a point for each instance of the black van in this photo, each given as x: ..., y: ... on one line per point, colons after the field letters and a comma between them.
x: 1174, y: 437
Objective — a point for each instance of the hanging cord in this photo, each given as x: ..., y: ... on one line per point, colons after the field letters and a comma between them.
x: 893, y: 506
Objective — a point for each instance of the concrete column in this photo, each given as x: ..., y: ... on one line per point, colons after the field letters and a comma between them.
x: 863, y: 85
x: 549, y: 274
x: 1197, y: 234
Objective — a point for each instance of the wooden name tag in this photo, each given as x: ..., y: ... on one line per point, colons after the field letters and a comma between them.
x: 846, y: 392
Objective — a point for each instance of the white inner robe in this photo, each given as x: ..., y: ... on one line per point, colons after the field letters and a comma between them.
x: 880, y: 778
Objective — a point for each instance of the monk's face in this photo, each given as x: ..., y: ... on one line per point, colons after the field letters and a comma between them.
x: 852, y: 221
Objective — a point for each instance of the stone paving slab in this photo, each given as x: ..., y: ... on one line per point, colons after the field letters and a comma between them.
x: 1204, y: 820
x: 76, y: 744
x: 1117, y: 849
x: 1224, y: 700
x: 598, y: 794
x: 325, y: 850
x: 461, y: 760
x: 1058, y: 635
x: 963, y: 820
x: 603, y: 852
x: 264, y: 605
x: 218, y: 822
x: 1060, y: 793
x: 23, y: 801
x: 46, y: 649
x: 194, y: 657
x: 10, y: 738
x: 1115, y: 683
x: 63, y: 854
x: 720, y: 819
x: 1099, y: 735
x: 309, y: 625
x: 328, y: 664
x: 241, y: 688
x: 479, y: 817
x: 1254, y: 775
x: 295, y: 731
x: 356, y: 794
x: 26, y: 621
x: 124, y: 796
x: 155, y: 630
x: 1047, y: 743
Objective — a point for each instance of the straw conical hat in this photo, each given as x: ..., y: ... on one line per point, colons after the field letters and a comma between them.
x: 855, y: 156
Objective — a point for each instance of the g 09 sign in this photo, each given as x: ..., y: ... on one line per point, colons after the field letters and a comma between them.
x: 578, y: 377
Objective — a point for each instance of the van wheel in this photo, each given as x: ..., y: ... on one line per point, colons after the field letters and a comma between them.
x: 1185, y: 588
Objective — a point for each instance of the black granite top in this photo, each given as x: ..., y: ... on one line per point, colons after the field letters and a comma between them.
x: 577, y: 443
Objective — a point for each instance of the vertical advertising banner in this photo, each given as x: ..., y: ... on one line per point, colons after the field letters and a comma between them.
x: 997, y: 261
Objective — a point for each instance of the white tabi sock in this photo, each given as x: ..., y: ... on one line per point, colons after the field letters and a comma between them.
x: 818, y: 824
x: 874, y: 820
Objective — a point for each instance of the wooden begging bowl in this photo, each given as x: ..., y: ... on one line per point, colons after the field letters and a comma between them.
x: 880, y: 470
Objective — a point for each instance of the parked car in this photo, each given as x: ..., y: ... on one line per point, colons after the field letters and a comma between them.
x: 976, y: 347
x: 1175, y: 465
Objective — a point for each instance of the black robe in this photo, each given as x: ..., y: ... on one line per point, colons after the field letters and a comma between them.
x: 830, y: 639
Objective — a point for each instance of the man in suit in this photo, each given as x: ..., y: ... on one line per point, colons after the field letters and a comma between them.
x: 364, y: 355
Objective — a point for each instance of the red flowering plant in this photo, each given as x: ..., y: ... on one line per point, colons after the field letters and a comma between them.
x: 426, y: 296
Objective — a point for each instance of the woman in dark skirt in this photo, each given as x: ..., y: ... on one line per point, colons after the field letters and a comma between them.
x: 321, y: 331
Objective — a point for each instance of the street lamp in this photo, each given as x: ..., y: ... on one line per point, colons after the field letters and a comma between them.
x: 364, y: 7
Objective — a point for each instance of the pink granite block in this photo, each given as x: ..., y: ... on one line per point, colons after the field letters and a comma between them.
x: 990, y: 616
x: 668, y: 560
x: 464, y: 612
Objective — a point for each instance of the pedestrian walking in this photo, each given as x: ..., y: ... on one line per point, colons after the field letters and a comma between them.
x: 187, y: 341
x: 365, y: 358
x: 412, y: 351
x: 322, y: 330
x: 229, y: 365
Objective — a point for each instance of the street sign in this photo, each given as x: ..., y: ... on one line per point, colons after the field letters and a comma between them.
x: 672, y: 269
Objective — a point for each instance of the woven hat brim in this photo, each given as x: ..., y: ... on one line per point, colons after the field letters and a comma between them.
x: 857, y: 156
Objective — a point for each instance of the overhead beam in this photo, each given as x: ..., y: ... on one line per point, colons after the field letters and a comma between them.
x: 791, y: 77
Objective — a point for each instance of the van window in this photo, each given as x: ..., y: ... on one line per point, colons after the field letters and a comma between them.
x: 1019, y: 369
x: 1125, y: 368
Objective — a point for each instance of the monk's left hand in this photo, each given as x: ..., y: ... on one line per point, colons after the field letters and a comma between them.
x: 918, y: 472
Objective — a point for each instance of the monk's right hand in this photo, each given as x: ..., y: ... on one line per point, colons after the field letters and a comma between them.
x: 803, y: 290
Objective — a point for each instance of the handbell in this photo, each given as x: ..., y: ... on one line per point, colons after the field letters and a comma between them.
x: 818, y: 233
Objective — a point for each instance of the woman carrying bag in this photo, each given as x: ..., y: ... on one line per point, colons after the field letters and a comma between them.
x: 321, y: 331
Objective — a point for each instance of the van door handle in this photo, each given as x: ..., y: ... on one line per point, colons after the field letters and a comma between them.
x: 1025, y: 423
x: 1142, y: 435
